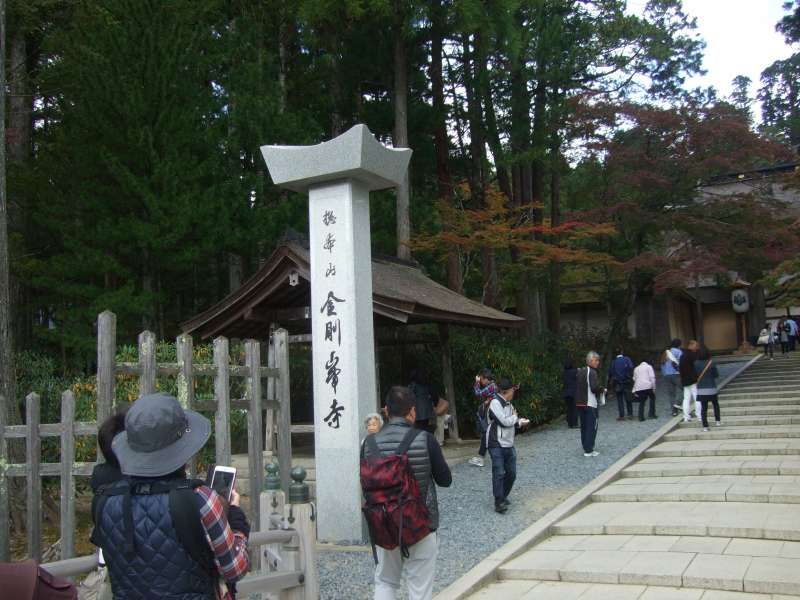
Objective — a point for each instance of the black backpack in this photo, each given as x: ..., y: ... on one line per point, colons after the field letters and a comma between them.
x: 182, y: 509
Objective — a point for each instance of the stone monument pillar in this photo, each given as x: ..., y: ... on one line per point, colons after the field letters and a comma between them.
x: 338, y: 176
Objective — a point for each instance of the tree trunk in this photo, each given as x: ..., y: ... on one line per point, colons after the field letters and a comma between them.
x: 401, y: 127
x: 554, y: 289
x: 440, y: 139
x: 20, y: 102
x: 7, y: 385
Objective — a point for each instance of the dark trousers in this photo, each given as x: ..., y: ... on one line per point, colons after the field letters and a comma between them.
x: 623, y: 399
x: 481, y: 429
x: 572, y: 412
x: 428, y: 425
x: 768, y: 349
x: 641, y: 398
x: 792, y: 343
x: 784, y: 347
x: 704, y: 400
x: 588, y: 416
x: 504, y: 472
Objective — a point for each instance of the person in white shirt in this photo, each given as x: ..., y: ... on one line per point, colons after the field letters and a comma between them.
x: 644, y: 388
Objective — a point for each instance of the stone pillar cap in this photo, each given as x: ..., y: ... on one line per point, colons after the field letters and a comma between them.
x: 355, y: 154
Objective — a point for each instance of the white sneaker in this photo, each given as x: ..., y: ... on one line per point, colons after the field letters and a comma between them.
x: 588, y: 454
x: 476, y: 461
x: 705, y: 428
x: 687, y: 419
x: 595, y: 453
x: 719, y: 423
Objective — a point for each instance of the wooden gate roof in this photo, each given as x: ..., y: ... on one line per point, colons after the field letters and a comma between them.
x: 280, y: 293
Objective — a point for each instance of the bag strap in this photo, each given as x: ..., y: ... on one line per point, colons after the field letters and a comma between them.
x: 408, y: 439
x: 186, y: 520
x: 703, y: 372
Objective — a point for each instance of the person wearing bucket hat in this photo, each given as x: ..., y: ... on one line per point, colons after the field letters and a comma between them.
x: 163, y: 535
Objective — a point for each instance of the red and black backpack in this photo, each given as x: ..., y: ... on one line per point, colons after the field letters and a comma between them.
x: 394, y: 508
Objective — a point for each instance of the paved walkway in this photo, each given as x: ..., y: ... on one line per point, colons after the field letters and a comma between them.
x: 700, y: 516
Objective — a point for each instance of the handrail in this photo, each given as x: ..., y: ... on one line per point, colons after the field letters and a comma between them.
x: 71, y: 567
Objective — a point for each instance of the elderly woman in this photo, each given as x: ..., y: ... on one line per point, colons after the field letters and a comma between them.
x: 588, y: 395
x: 373, y: 422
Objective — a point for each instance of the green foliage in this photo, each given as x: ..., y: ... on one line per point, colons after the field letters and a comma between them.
x: 536, y: 364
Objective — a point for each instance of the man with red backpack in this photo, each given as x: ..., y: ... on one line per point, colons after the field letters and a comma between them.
x: 400, y: 469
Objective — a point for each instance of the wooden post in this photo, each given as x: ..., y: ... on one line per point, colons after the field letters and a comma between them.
x: 147, y: 363
x: 447, y: 378
x: 255, y: 456
x: 106, y: 366
x: 284, y: 425
x: 5, y: 555
x: 67, y: 478
x: 222, y: 395
x: 306, y: 528
x: 272, y: 384
x: 33, y: 459
x: 185, y: 380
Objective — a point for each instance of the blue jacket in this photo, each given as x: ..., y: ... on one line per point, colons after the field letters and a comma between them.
x: 158, y: 565
x: 570, y: 382
x: 621, y: 370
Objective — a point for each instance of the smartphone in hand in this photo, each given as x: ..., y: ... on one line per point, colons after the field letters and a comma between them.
x: 223, y: 481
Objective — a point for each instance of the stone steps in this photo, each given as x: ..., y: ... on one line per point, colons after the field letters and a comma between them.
x: 727, y: 519
x: 756, y: 401
x: 666, y: 561
x: 563, y: 590
x: 749, y: 420
x: 739, y: 447
x: 723, y: 491
x: 756, y: 388
x: 681, y: 466
x: 758, y: 410
x: 726, y: 433
x: 762, y: 396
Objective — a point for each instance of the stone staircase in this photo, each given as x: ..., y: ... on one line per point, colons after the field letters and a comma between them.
x: 701, y: 515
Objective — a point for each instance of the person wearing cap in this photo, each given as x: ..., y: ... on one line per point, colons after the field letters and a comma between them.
x: 484, y: 389
x: 503, y: 422
x: 146, y: 540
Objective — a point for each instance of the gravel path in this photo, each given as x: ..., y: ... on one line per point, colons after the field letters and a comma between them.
x: 550, y: 467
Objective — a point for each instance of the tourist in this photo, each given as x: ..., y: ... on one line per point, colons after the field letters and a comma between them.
x: 792, y: 333
x: 766, y: 340
x: 783, y: 332
x: 107, y: 472
x: 373, y: 423
x: 588, y: 395
x: 689, y: 380
x: 707, y: 386
x: 644, y: 388
x: 621, y: 377
x: 484, y: 389
x: 670, y: 360
x: 568, y: 387
x: 430, y: 469
x: 426, y: 397
x: 151, y: 549
x: 503, y: 423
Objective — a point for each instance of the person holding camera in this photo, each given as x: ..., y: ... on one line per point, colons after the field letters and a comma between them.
x: 503, y: 422
x: 163, y: 535
x: 484, y: 389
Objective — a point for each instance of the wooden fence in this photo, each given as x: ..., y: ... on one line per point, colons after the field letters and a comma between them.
x: 277, y: 405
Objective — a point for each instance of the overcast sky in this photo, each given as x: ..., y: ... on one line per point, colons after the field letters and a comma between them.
x: 740, y: 39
